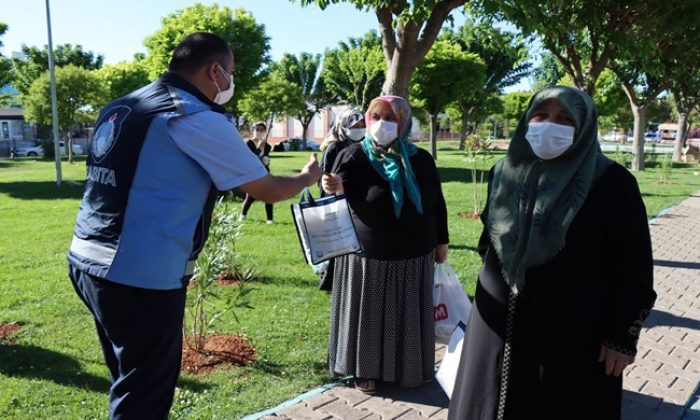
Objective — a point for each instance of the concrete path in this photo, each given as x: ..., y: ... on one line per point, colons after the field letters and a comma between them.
x: 657, y: 387
x: 667, y: 370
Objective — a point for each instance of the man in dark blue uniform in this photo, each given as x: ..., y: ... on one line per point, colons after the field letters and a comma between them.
x: 158, y: 158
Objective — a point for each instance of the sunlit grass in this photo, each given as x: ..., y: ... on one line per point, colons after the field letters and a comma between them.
x: 54, y: 368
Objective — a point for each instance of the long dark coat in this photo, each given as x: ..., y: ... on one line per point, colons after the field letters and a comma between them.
x: 597, y: 289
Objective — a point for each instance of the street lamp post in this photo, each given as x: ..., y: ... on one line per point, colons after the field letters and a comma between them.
x: 54, y: 112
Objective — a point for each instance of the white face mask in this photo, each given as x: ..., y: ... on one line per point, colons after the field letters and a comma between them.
x: 384, y: 132
x: 355, y: 134
x: 258, y: 134
x: 549, y: 140
x: 224, y: 96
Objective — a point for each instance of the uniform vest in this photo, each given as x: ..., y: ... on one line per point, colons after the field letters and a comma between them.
x: 146, y: 205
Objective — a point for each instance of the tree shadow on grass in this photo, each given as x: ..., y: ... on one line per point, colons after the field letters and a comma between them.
x: 41, y: 190
x: 462, y: 248
x: 28, y: 361
x: 32, y: 362
x: 6, y: 163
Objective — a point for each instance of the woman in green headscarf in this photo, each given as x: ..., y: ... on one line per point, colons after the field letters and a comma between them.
x: 567, y: 279
x: 382, y: 325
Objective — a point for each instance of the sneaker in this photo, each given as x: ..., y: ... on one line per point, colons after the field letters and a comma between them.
x: 241, y: 217
x: 270, y: 222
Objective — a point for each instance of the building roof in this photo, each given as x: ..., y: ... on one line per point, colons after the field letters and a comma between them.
x: 11, y: 114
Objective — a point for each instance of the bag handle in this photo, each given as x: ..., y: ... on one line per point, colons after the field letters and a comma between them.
x: 306, y: 196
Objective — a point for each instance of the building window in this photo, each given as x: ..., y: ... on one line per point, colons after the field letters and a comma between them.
x: 5, y: 130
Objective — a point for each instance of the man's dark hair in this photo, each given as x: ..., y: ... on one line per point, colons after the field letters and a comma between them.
x: 198, y: 50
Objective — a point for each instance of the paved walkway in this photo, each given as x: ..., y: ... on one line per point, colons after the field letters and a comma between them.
x: 657, y: 387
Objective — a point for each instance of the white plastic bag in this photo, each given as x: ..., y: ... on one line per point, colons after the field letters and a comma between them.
x: 447, y: 372
x: 450, y: 304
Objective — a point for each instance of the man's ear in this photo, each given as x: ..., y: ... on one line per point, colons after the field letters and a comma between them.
x: 211, y: 70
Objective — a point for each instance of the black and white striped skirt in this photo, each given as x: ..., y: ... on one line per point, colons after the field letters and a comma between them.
x: 382, y: 324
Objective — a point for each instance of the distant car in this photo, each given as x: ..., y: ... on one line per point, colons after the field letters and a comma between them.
x: 295, y: 143
x: 38, y: 150
x: 282, y: 146
x: 312, y: 145
x: 652, y: 136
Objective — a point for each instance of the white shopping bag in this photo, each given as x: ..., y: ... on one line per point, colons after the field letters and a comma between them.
x: 447, y: 372
x: 450, y: 304
x: 325, y: 227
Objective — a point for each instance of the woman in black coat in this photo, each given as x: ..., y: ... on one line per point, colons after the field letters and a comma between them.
x: 567, y: 279
x: 259, y: 147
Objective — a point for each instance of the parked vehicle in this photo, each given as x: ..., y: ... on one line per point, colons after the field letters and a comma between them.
x: 38, y: 150
x: 295, y: 144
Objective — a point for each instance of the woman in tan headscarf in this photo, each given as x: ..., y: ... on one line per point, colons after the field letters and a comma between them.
x: 382, y: 325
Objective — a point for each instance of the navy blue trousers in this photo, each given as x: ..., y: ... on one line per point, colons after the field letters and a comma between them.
x: 140, y: 331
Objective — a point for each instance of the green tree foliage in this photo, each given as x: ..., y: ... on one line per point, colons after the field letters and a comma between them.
x: 514, y: 105
x: 5, y: 67
x: 583, y: 35
x: 354, y: 72
x: 76, y: 89
x: 445, y: 72
x: 238, y: 27
x: 120, y: 79
x: 36, y: 62
x: 274, y: 96
x: 684, y: 73
x: 549, y: 72
x: 644, y: 71
x: 304, y: 72
x: 408, y: 29
x: 505, y: 55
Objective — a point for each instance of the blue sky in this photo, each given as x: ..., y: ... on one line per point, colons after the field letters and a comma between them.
x: 117, y: 29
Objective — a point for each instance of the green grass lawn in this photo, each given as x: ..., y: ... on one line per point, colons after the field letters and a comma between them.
x: 54, y: 367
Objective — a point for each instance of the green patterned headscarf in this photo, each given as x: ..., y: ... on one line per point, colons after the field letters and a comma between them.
x: 533, y: 201
x: 393, y: 163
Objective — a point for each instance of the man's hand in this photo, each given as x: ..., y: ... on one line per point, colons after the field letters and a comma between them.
x: 332, y: 183
x: 441, y: 253
x: 312, y: 172
x: 615, y: 362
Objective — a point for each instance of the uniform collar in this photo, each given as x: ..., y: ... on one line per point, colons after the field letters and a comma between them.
x: 179, y: 82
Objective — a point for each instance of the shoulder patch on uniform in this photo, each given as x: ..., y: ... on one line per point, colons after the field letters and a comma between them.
x: 107, y: 131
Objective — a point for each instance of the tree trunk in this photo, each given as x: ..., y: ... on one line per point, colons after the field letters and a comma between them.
x: 406, y: 42
x: 69, y: 145
x: 463, y: 131
x: 398, y: 77
x: 680, y: 135
x: 304, y: 129
x: 639, y: 113
x: 433, y: 134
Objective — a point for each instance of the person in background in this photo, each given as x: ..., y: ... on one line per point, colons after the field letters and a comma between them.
x: 260, y: 148
x: 157, y: 161
x: 567, y: 279
x: 349, y: 128
x: 382, y: 323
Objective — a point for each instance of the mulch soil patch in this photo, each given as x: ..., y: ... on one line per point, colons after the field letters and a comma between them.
x: 465, y: 215
x: 220, y: 350
x: 7, y: 329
